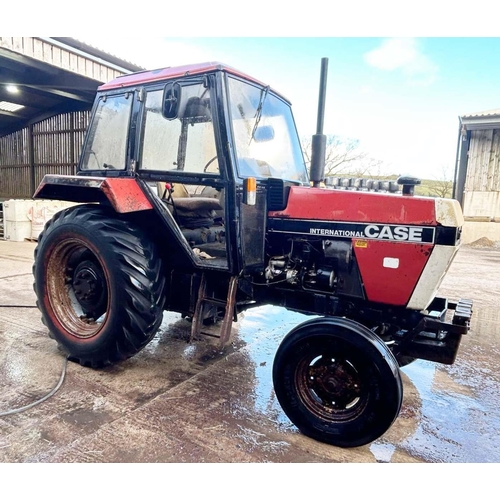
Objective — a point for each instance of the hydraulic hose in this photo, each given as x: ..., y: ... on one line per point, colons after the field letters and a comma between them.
x: 50, y: 394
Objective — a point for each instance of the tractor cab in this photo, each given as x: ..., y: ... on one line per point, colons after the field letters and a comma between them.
x: 192, y: 138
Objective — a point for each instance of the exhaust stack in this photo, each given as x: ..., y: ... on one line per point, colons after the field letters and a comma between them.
x: 318, y: 146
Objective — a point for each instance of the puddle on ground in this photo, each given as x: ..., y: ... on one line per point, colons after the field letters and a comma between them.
x: 459, y: 418
x: 454, y: 427
x: 263, y: 329
x: 382, y: 451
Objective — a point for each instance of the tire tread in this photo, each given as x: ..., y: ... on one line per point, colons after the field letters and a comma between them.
x: 143, y: 279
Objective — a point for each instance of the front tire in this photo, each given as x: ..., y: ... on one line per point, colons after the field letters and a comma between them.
x: 337, y: 382
x: 100, y: 283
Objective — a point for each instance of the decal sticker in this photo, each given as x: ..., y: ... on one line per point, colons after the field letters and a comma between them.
x: 391, y: 262
x: 361, y: 244
x: 385, y: 232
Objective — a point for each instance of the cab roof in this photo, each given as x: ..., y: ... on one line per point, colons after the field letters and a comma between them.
x: 143, y: 77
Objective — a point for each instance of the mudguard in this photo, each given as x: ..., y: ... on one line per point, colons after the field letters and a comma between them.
x: 123, y: 193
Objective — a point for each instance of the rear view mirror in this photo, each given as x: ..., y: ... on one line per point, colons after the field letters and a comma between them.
x: 171, y: 100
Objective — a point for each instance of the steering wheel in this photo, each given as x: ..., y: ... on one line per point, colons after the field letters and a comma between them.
x: 205, y: 168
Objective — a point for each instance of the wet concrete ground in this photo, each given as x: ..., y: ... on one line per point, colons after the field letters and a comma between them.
x: 180, y: 402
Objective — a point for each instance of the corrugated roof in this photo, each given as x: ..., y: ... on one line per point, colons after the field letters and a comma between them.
x: 46, y: 88
x: 480, y: 114
x: 96, y: 51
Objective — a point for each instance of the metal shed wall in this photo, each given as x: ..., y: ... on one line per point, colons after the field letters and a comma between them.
x: 483, y: 167
x: 477, y: 179
x: 482, y: 183
x: 51, y: 146
x: 50, y: 51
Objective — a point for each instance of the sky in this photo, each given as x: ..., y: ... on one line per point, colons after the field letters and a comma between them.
x: 399, y: 73
x: 400, y: 97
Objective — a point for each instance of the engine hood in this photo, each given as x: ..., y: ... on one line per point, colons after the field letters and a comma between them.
x: 319, y: 204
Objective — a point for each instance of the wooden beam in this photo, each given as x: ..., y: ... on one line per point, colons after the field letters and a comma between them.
x: 31, y: 159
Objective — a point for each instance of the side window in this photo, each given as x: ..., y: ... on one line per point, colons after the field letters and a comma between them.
x: 186, y: 144
x: 161, y: 137
x: 106, y: 147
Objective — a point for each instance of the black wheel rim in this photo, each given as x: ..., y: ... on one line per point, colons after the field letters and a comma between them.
x: 89, y: 286
x: 332, y: 386
x: 77, y: 288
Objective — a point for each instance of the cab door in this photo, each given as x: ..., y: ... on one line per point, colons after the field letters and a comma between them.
x: 180, y: 157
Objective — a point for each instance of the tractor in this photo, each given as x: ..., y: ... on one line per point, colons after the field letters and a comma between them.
x: 192, y: 195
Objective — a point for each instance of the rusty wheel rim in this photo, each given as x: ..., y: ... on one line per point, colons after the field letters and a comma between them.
x: 77, y: 288
x: 331, y: 387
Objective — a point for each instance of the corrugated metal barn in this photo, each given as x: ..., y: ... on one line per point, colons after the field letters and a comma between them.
x: 477, y: 185
x: 47, y: 87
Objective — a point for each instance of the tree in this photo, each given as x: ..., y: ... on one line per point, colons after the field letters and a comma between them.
x: 343, y: 156
x: 442, y: 186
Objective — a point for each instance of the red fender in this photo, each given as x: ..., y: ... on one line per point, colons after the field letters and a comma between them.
x: 124, y: 193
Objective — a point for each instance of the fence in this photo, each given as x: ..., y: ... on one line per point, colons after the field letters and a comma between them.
x: 51, y: 146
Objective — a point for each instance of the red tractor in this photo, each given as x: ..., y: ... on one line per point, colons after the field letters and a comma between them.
x: 193, y: 196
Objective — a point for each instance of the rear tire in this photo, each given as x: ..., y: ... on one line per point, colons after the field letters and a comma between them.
x: 337, y: 382
x: 100, y: 284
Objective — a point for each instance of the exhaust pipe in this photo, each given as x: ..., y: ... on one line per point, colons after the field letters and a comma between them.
x: 318, y: 146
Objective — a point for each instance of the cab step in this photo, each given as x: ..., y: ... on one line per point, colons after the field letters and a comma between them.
x: 227, y: 304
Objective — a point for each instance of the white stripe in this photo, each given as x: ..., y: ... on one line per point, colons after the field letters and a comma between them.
x: 448, y: 212
x: 435, y: 270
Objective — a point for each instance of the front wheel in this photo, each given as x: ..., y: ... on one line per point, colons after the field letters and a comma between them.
x: 337, y: 382
x: 100, y: 283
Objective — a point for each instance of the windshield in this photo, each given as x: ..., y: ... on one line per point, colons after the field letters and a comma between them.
x: 264, y: 132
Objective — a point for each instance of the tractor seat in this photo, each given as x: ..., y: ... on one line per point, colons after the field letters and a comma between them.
x: 196, y: 204
x: 196, y: 212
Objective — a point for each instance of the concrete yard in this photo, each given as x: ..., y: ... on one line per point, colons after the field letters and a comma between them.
x: 192, y: 403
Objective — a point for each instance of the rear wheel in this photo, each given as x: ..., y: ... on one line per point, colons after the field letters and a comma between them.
x: 99, y: 283
x: 337, y: 382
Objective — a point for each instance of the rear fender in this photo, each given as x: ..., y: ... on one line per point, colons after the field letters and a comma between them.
x: 124, y: 194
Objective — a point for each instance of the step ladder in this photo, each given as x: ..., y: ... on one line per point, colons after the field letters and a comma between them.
x: 229, y: 311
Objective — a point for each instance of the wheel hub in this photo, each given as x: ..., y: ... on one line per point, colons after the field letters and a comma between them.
x: 89, y: 287
x: 334, y: 383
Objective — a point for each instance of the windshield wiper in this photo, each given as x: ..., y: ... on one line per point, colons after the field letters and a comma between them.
x: 258, y: 112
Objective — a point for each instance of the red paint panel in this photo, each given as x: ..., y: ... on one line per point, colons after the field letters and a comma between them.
x: 125, y: 195
x: 159, y: 74
x: 143, y: 77
x: 357, y: 206
x: 388, y: 285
